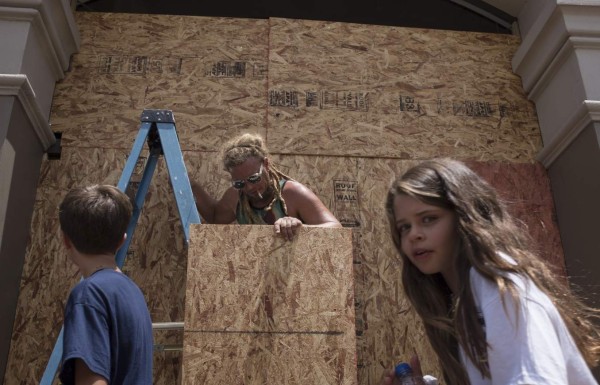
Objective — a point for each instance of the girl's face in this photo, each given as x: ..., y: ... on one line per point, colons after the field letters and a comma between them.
x: 428, y: 236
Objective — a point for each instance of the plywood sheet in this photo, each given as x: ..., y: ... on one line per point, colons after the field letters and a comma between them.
x: 527, y: 192
x: 254, y: 297
x: 335, y: 181
x: 363, y: 90
x: 257, y: 359
x: 332, y: 179
x: 392, y: 332
x: 212, y: 72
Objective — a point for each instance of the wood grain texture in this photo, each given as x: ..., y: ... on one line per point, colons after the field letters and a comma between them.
x: 260, y: 309
x: 212, y: 72
x: 364, y: 90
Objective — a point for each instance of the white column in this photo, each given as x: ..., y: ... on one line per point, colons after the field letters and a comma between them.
x: 37, y: 39
x: 559, y: 63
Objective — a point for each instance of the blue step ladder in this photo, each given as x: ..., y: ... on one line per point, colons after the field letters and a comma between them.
x: 158, y: 130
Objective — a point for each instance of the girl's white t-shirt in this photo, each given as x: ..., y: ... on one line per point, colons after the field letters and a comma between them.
x: 529, y: 344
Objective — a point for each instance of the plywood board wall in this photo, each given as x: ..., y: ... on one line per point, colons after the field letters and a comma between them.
x: 211, y: 71
x: 344, y: 109
x: 350, y: 89
x: 260, y: 309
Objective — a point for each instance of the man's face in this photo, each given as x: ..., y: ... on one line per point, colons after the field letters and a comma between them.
x: 251, y: 178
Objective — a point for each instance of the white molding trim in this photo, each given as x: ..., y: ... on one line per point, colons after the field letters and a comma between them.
x: 19, y: 86
x: 35, y: 19
x: 568, y: 48
x: 58, y: 25
x: 537, y: 51
x: 69, y: 27
x: 587, y: 113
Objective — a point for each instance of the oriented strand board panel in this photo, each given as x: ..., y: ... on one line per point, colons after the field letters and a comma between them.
x: 332, y: 179
x: 364, y: 90
x: 391, y: 331
x: 212, y: 72
x: 262, y: 310
x: 526, y: 191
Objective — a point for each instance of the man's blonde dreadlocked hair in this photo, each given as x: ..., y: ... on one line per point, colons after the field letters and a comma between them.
x: 235, y: 152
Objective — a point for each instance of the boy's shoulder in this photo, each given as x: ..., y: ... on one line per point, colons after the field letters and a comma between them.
x: 107, y: 293
x: 100, y: 285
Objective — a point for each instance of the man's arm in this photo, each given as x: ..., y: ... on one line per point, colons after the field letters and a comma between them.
x: 215, y: 211
x: 84, y: 376
x: 306, y: 206
x: 303, y: 206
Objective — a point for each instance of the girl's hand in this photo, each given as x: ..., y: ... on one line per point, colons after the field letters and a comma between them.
x: 415, y: 364
x: 388, y: 377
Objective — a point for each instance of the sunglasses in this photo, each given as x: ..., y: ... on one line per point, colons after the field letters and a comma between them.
x: 252, y: 179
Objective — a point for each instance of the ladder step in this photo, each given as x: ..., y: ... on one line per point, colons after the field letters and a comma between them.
x: 168, y: 348
x: 167, y: 325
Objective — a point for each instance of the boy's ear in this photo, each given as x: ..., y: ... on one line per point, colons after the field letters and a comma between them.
x: 66, y: 241
x: 122, y: 241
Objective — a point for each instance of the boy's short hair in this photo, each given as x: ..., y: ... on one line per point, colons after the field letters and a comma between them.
x: 94, y: 218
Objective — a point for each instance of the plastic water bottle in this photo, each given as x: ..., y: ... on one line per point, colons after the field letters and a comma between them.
x: 405, y: 376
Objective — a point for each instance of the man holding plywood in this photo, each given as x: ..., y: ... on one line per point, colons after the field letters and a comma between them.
x: 261, y: 194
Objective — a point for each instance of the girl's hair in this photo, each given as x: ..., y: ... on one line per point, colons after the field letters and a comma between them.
x: 484, y: 229
x: 235, y: 152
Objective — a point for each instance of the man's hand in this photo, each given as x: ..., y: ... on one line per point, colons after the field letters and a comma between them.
x: 287, y: 227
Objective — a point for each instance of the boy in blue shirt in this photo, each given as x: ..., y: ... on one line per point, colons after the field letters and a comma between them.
x: 107, y: 327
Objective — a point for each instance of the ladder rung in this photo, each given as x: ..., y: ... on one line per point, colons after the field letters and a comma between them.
x: 167, y: 325
x: 168, y: 348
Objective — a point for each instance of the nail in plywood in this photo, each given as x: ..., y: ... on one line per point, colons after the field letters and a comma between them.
x: 260, y: 309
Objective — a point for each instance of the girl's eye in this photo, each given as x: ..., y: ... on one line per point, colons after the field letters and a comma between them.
x: 429, y: 219
x: 403, y: 229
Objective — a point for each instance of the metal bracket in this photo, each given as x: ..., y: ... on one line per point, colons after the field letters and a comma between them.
x: 55, y: 150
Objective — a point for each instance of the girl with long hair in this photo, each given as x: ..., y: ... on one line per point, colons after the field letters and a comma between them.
x: 493, y: 311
